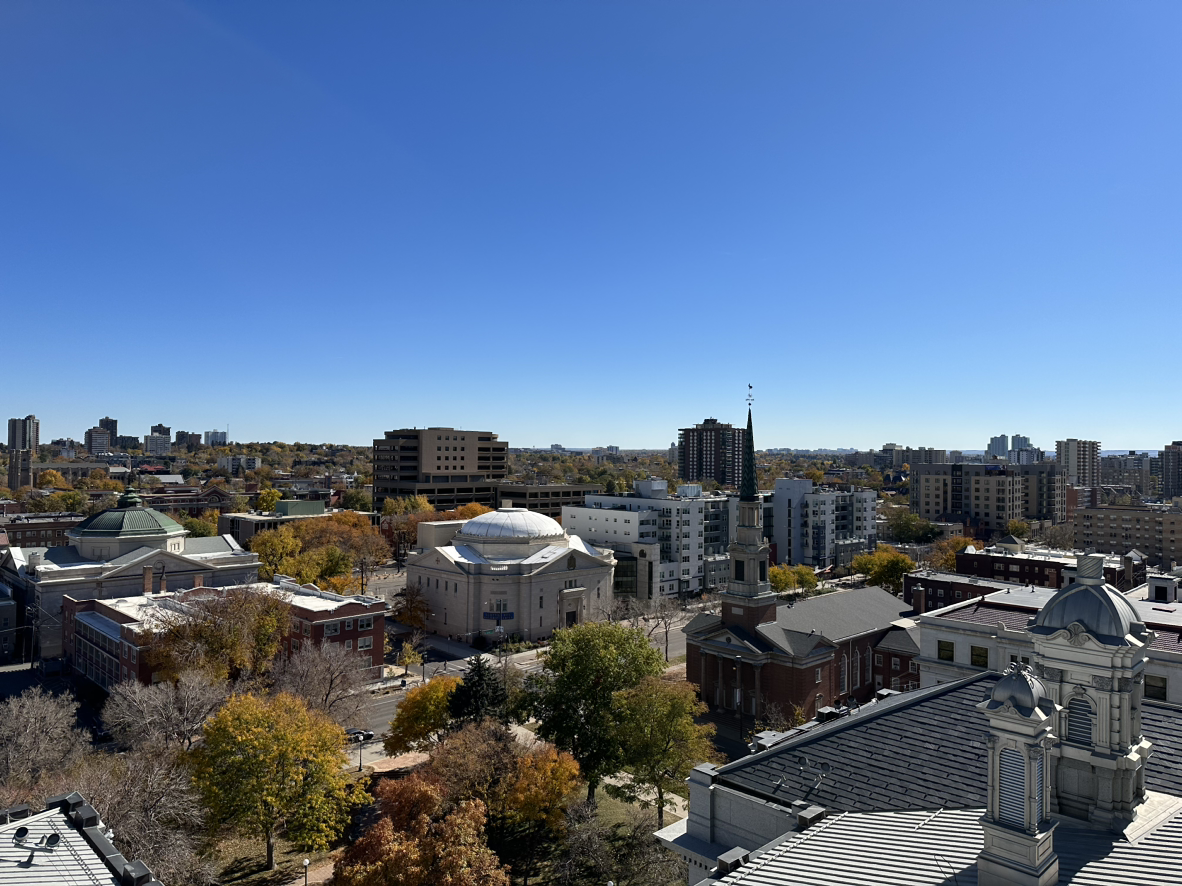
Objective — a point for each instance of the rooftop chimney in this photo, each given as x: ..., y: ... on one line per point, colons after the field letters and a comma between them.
x: 147, y: 580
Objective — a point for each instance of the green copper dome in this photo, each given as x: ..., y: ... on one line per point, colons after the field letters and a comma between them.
x: 129, y: 518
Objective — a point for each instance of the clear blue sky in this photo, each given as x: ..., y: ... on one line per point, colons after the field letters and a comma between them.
x: 596, y: 222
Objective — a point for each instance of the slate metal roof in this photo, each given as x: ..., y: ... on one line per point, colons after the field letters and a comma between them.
x: 835, y: 617
x: 134, y: 521
x: 900, y: 639
x: 82, y: 855
x: 940, y: 848
x: 991, y: 614
x: 920, y: 750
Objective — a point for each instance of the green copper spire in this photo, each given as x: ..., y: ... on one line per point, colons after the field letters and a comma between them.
x: 748, y: 490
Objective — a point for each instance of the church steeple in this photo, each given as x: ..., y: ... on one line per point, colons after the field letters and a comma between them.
x: 748, y: 490
x: 749, y: 599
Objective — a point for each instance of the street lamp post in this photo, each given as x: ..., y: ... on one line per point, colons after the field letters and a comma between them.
x: 360, y: 745
x: 306, y: 863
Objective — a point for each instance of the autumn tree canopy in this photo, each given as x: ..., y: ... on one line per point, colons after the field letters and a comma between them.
x: 271, y: 766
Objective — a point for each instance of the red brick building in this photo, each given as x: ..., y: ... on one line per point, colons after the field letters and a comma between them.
x: 105, y: 640
x: 761, y: 651
x: 1014, y: 561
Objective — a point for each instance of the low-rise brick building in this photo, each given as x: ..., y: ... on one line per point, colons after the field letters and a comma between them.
x: 105, y: 640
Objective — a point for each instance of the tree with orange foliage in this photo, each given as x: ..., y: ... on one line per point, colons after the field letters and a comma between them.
x: 537, y: 803
x: 417, y: 844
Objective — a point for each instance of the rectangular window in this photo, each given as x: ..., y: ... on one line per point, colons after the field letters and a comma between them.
x: 979, y: 656
x: 913, y: 667
x: 818, y: 675
x: 878, y: 659
x: 944, y: 650
x: 365, y: 624
x: 307, y: 629
x: 348, y: 624
x: 365, y: 643
x: 332, y: 628
x: 1155, y: 687
x: 349, y: 645
x: 894, y: 663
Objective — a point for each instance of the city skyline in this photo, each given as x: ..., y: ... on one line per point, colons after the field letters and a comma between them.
x: 321, y: 226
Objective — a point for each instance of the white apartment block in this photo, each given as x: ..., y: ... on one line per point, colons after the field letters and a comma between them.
x: 157, y: 444
x: 690, y: 529
x: 822, y: 526
x: 1081, y: 460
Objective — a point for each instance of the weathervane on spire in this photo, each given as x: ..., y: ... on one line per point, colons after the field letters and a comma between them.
x: 750, y: 395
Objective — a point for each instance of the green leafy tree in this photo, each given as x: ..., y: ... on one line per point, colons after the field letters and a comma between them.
x: 422, y: 717
x: 806, y: 579
x: 572, y: 699
x: 661, y: 740
x: 356, y: 500
x: 268, y: 499
x: 481, y: 695
x: 911, y: 528
x: 52, y: 479
x: 885, y: 568
x: 271, y: 766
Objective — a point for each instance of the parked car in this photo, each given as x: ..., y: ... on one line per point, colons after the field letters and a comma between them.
x: 358, y: 735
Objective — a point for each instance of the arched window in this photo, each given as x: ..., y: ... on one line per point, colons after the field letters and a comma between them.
x: 820, y: 701
x: 1011, y: 783
x: 857, y: 668
x: 1079, y: 721
x: 845, y: 668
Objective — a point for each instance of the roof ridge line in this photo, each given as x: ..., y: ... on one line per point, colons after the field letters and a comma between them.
x: 864, y: 714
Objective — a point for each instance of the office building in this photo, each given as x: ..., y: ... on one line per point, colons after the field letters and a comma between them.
x: 1020, y: 442
x: 987, y: 496
x: 162, y: 430
x: 544, y: 498
x: 1025, y: 456
x: 679, y: 540
x: 20, y: 468
x: 449, y: 467
x: 237, y: 464
x: 126, y: 441
x: 1134, y: 470
x: 187, y: 439
x: 710, y: 451
x: 24, y: 433
x: 823, y: 526
x: 894, y: 456
x: 1171, y: 470
x: 1080, y: 459
x: 110, y: 425
x: 157, y: 444
x: 216, y: 438
x: 998, y: 446
x: 98, y: 441
x: 512, y: 573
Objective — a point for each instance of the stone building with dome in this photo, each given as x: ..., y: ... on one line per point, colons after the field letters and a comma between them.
x: 1056, y: 771
x: 126, y: 550
x: 512, y: 572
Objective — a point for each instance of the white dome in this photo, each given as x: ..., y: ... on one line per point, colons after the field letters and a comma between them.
x: 512, y: 523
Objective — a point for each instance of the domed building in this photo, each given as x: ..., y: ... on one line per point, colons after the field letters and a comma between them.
x: 126, y: 550
x: 512, y: 572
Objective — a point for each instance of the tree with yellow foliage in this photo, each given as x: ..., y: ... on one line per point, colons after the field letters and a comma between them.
x: 421, y: 718
x: 271, y: 766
